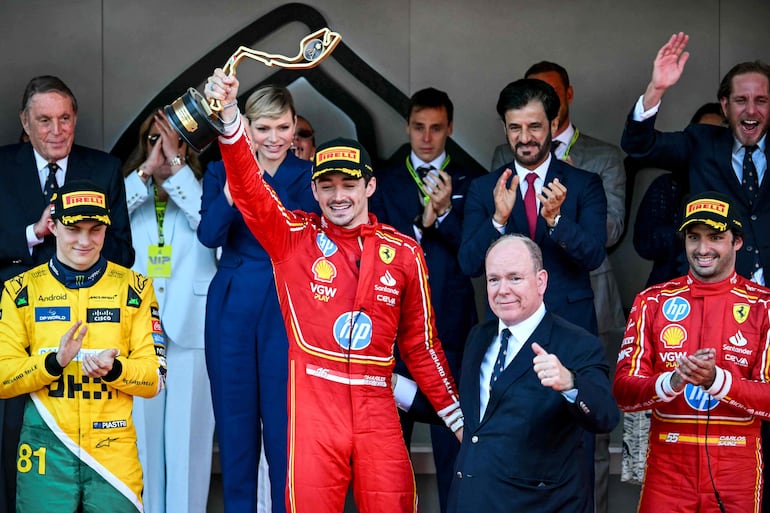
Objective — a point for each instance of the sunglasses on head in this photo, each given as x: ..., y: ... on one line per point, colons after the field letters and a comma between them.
x: 153, y: 138
x: 304, y: 133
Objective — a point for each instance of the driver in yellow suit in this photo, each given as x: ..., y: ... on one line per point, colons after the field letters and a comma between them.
x: 82, y: 336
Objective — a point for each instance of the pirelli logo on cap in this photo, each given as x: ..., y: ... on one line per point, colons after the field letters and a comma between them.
x: 339, y: 153
x: 79, y: 199
x: 708, y: 205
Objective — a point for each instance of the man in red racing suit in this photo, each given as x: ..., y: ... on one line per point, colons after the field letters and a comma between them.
x: 696, y: 352
x: 349, y: 288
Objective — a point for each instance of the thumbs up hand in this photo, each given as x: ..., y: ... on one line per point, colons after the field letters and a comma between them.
x: 550, y: 371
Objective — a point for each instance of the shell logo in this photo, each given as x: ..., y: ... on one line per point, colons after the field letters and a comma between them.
x: 324, y: 271
x: 673, y: 336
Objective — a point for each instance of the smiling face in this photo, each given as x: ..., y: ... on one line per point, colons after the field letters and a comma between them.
x: 49, y: 121
x: 78, y: 245
x: 747, y: 107
x: 515, y: 288
x: 529, y: 133
x: 711, y: 254
x: 272, y: 138
x: 344, y: 200
x: 428, y: 129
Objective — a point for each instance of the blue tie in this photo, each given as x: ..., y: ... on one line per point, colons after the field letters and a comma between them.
x: 500, y: 361
x: 750, y: 181
x: 50, y: 187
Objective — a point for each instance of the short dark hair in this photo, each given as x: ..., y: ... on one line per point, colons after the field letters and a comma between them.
x: 726, y: 86
x: 705, y: 109
x: 430, y: 98
x: 519, y: 93
x: 547, y: 67
x: 46, y: 84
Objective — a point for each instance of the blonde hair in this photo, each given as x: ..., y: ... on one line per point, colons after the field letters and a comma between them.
x: 269, y: 101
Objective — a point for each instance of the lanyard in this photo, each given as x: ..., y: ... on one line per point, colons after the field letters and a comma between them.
x: 571, y: 143
x: 418, y: 180
x: 160, y: 214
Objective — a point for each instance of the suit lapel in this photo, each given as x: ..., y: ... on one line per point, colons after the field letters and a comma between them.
x: 554, y: 171
x: 520, y: 366
x: 477, y: 352
x: 517, y: 222
x: 27, y: 179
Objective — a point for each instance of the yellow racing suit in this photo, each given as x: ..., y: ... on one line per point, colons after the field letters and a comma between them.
x: 78, y: 446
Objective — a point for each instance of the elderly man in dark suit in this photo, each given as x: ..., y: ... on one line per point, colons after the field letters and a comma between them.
x: 424, y: 197
x: 532, y: 384
x: 32, y: 173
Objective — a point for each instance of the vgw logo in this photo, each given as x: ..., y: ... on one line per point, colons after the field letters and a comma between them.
x: 698, y: 399
x: 353, y: 330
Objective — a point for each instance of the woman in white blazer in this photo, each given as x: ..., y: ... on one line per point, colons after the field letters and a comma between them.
x: 175, y: 429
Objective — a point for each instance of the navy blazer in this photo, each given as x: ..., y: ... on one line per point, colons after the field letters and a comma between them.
x: 705, y: 151
x: 396, y: 202
x: 570, y: 251
x: 222, y: 225
x: 22, y: 202
x: 526, y: 453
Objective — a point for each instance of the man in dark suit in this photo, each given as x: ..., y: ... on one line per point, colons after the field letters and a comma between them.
x: 424, y: 197
x: 32, y: 172
x: 565, y: 211
x: 715, y: 157
x: 532, y: 385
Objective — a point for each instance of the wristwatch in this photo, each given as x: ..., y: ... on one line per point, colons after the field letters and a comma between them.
x: 418, y: 223
x: 176, y: 161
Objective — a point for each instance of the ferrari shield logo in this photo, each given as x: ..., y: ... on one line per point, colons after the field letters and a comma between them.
x: 741, y: 312
x: 387, y: 253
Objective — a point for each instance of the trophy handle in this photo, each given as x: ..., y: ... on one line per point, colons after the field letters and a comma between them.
x: 197, y: 120
x: 313, y: 49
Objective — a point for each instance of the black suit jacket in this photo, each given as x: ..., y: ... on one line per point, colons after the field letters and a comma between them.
x: 526, y: 453
x: 570, y: 252
x: 22, y: 202
x: 704, y: 152
x: 396, y: 202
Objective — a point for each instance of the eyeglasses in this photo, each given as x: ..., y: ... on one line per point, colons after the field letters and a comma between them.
x: 304, y: 133
x: 153, y: 138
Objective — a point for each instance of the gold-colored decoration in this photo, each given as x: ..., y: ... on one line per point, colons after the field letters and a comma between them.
x: 197, y: 120
x: 313, y: 49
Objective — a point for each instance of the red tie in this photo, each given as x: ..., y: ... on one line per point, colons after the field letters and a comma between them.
x: 530, y: 204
